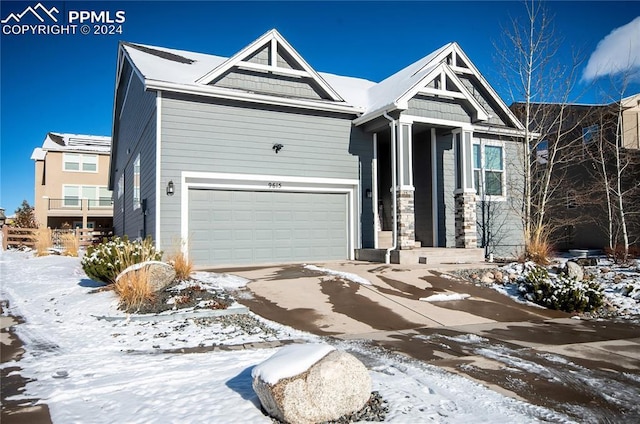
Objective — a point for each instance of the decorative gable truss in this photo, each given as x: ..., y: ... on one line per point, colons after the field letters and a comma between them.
x: 454, y: 79
x: 270, y: 66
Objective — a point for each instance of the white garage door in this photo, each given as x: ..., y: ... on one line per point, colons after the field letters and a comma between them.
x: 252, y: 227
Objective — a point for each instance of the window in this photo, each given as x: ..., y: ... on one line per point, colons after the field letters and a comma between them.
x: 121, y: 185
x: 542, y: 152
x: 136, y: 183
x: 488, y: 169
x: 78, y: 162
x: 590, y: 133
x: 96, y: 196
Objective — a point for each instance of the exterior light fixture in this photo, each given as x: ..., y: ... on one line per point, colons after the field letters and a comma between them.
x: 368, y: 194
x: 170, y: 188
x: 277, y: 147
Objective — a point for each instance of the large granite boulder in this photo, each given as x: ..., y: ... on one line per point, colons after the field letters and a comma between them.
x: 159, y: 274
x: 305, y: 384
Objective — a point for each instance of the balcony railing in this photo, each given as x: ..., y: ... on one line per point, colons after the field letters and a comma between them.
x: 76, y: 204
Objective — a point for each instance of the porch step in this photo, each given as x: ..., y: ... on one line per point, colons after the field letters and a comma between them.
x: 424, y: 255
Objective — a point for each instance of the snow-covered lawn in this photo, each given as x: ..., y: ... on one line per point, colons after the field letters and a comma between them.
x: 92, y: 370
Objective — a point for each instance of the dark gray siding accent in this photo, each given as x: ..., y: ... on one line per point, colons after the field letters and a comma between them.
x: 263, y: 83
x: 203, y: 136
x: 501, y: 220
x: 136, y: 132
x: 361, y: 145
x: 422, y: 181
x: 430, y: 107
x: 483, y: 99
x: 446, y: 187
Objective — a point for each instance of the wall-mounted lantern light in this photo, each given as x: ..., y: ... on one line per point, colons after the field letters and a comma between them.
x: 277, y: 147
x: 368, y: 194
x: 170, y: 188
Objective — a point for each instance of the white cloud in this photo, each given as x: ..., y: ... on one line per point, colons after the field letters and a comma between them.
x: 617, y: 52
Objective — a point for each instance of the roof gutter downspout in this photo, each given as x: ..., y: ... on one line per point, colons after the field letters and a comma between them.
x: 394, y: 185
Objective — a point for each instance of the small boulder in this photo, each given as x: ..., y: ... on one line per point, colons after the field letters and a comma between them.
x: 487, y: 278
x: 311, y: 383
x: 573, y: 270
x: 160, y: 274
x: 498, y: 277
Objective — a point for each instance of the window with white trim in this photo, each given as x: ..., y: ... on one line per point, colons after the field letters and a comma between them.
x: 136, y: 183
x: 78, y: 162
x: 590, y: 133
x: 488, y: 169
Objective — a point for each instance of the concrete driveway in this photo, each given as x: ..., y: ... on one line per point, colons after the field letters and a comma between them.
x: 587, y: 369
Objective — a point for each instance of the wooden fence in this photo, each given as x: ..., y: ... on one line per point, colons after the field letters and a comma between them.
x: 18, y: 237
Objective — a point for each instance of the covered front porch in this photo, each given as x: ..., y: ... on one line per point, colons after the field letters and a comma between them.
x: 423, y: 194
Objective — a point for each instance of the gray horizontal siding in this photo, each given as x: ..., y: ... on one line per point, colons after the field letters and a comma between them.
x: 437, y: 108
x: 136, y: 135
x: 483, y: 99
x: 210, y: 137
x: 261, y: 82
x: 502, y: 219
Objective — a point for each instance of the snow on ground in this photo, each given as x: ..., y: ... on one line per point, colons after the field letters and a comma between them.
x: 99, y: 371
x: 346, y: 275
x: 620, y: 283
x: 445, y: 297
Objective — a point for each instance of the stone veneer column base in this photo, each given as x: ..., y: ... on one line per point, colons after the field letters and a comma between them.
x: 406, y: 220
x: 466, y: 232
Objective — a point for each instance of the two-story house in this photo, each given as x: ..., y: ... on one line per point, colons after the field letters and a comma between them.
x: 71, y: 181
x: 588, y: 149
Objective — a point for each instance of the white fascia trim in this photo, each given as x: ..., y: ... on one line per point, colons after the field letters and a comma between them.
x: 439, y: 122
x: 247, y: 182
x: 489, y: 88
x: 501, y: 131
x: 273, y: 69
x: 377, y: 113
x: 229, y: 94
x: 158, y: 195
x: 274, y: 38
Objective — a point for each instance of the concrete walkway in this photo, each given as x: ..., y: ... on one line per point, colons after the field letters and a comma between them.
x: 589, y: 370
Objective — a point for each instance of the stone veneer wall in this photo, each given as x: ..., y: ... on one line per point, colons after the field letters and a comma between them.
x: 466, y: 233
x: 406, y: 220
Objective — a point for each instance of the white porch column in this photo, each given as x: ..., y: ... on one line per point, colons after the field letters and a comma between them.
x: 405, y: 201
x: 465, y: 194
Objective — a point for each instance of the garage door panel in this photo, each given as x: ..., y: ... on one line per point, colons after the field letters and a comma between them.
x: 246, y: 227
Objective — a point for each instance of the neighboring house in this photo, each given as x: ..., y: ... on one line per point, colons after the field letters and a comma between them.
x: 71, y: 179
x: 258, y: 158
x: 578, y: 207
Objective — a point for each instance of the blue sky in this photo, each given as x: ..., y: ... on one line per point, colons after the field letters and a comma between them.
x: 65, y: 83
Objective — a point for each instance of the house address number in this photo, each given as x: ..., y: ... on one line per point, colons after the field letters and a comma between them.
x: 275, y: 185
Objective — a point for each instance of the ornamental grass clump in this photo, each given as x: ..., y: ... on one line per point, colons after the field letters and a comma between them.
x: 181, y: 263
x: 134, y: 289
x: 42, y: 241
x: 558, y: 291
x: 70, y: 244
x: 106, y: 260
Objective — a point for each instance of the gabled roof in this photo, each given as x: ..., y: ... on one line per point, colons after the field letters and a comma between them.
x: 72, y: 143
x: 183, y: 71
x: 196, y: 73
x: 274, y: 42
x: 395, y: 91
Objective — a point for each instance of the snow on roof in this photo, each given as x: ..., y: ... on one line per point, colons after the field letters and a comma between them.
x: 185, y: 67
x: 63, y: 142
x: 289, y: 361
x: 394, y: 87
x: 170, y: 65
